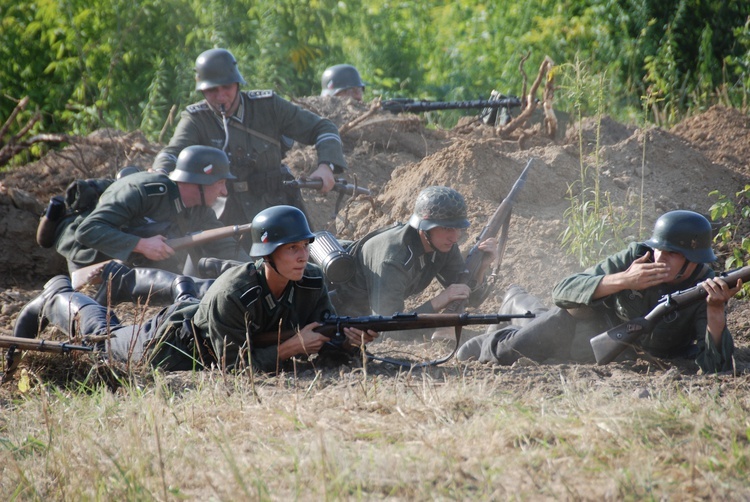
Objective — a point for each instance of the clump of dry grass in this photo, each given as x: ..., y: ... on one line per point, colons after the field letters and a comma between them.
x: 462, y: 431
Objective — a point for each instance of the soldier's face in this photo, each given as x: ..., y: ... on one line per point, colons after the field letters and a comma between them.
x: 291, y: 259
x: 675, y: 261
x: 353, y: 92
x: 444, y: 238
x: 213, y: 192
x: 223, y: 95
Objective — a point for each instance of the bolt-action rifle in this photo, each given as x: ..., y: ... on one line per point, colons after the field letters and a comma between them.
x: 342, y: 186
x: 14, y: 344
x: 608, y: 345
x: 84, y: 275
x: 498, y: 223
x: 408, y: 105
x: 332, y: 327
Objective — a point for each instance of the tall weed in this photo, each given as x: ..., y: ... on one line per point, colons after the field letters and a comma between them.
x: 595, y: 226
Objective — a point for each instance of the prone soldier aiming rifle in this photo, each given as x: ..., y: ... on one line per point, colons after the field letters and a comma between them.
x: 608, y: 345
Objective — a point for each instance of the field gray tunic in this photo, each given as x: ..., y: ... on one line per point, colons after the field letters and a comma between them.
x: 391, y: 266
x: 254, y: 148
x: 557, y: 334
x: 239, y: 303
x: 129, y: 206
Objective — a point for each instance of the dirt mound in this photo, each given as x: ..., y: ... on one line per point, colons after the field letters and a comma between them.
x: 642, y: 172
x: 721, y: 134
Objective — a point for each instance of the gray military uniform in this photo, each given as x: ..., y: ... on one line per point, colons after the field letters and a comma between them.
x: 559, y: 335
x: 392, y: 265
x: 254, y: 148
x: 142, y: 203
x: 215, y: 331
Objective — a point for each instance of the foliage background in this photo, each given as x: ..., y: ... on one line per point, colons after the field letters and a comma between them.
x: 127, y: 63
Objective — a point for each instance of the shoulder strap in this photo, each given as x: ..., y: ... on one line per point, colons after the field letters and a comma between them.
x: 253, y: 132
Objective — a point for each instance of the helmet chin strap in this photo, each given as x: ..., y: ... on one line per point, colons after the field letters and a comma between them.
x: 203, y: 195
x: 429, y: 241
x: 682, y: 270
x: 270, y: 262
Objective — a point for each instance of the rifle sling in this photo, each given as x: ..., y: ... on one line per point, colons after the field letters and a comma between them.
x: 253, y: 132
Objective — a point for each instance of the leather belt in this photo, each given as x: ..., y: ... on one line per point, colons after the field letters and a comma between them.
x: 271, y: 182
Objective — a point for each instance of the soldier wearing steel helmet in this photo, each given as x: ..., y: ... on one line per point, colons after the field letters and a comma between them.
x: 343, y: 81
x: 137, y: 213
x: 280, y: 291
x: 624, y: 286
x: 253, y: 128
x: 397, y: 262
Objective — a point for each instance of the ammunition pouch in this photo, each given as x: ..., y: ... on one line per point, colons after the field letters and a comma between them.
x: 260, y: 182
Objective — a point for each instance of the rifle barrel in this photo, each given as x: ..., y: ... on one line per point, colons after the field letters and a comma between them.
x: 331, y: 326
x: 341, y: 186
x: 414, y: 106
x: 40, y: 345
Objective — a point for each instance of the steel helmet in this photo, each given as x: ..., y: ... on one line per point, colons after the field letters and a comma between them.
x: 439, y: 207
x: 276, y: 226
x: 216, y: 67
x: 202, y: 165
x: 684, y: 232
x: 339, y: 77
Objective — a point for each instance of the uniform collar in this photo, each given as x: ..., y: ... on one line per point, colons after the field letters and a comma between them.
x: 271, y: 304
x: 240, y: 113
x: 414, y: 242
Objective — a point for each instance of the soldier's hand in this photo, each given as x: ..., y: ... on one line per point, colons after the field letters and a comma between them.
x: 489, y: 248
x: 643, y: 273
x: 450, y: 294
x: 323, y: 172
x: 719, y: 292
x: 154, y: 248
x: 357, y: 337
x: 308, y: 341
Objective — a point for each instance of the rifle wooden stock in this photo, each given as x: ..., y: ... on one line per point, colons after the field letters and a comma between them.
x: 86, y: 275
x: 198, y: 238
x: 608, y: 345
x: 500, y: 220
x: 8, y: 342
x: 341, y: 186
x: 332, y: 326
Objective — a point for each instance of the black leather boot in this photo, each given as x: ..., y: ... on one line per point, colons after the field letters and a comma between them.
x: 75, y: 312
x: 184, y: 288
x: 124, y: 284
x: 61, y: 306
x: 30, y: 322
x: 212, y: 268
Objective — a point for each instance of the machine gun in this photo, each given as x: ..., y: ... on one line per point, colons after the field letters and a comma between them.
x: 408, y: 105
x: 608, y: 345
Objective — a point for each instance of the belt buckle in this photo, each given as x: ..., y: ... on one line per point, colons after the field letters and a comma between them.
x: 239, y: 186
